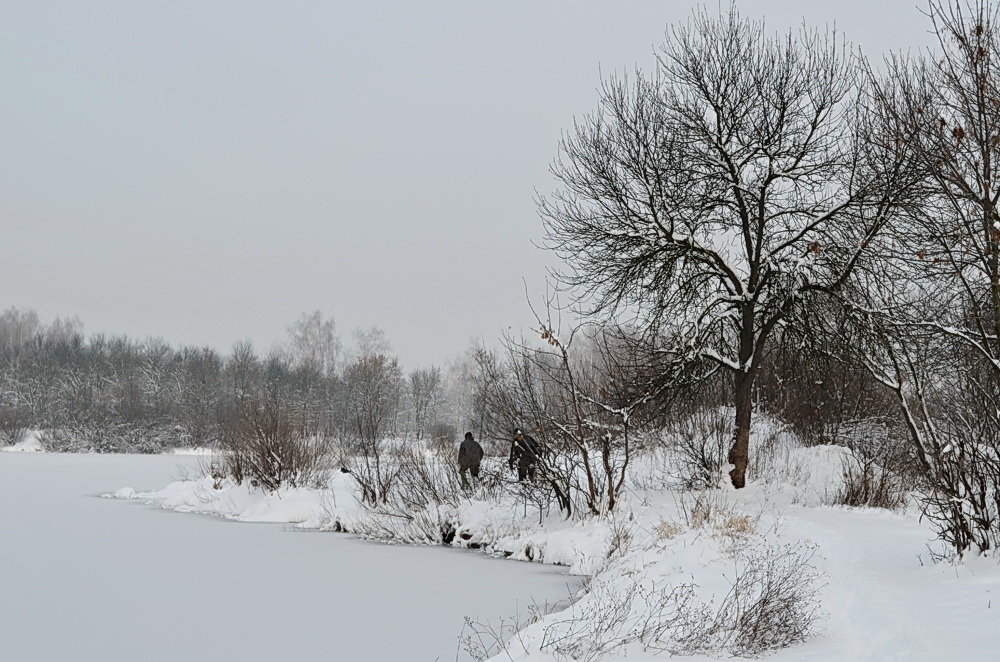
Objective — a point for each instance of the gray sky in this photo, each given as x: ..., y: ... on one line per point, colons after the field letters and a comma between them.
x: 207, y: 171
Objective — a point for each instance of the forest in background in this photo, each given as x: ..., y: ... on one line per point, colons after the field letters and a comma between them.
x: 104, y: 393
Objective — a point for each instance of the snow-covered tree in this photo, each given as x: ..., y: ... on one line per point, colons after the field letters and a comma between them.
x: 425, y: 391
x: 313, y: 343
x: 709, y: 199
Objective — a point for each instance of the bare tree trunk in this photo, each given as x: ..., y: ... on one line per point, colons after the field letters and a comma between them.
x: 739, y: 454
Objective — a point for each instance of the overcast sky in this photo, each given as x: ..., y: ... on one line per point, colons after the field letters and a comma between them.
x: 207, y: 171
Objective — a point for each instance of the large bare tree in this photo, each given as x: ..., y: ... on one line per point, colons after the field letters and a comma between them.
x: 710, y: 198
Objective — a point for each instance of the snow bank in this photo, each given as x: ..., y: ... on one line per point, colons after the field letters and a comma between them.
x: 301, y: 506
x: 196, y: 450
x: 30, y: 442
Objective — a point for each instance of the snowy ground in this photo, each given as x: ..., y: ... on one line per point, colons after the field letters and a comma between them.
x: 880, y: 595
x: 85, y: 578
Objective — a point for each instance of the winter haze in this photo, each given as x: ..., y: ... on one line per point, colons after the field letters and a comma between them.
x: 206, y: 172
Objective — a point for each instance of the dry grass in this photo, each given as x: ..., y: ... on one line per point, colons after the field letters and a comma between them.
x: 710, y: 511
x: 739, y: 525
x: 667, y: 530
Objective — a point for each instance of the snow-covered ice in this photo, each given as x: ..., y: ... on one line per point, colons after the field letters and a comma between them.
x: 85, y: 578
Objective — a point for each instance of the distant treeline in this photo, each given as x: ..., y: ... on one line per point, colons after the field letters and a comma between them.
x: 116, y: 394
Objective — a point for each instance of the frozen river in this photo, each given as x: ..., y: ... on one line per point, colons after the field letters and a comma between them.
x: 84, y: 578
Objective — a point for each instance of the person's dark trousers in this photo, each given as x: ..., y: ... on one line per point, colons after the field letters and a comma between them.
x: 474, y: 470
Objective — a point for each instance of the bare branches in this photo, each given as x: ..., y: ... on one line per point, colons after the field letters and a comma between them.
x: 714, y: 196
x: 580, y: 395
x: 944, y: 110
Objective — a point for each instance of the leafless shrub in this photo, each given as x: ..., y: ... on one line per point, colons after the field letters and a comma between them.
x: 621, y: 539
x: 772, y: 604
x: 418, y: 505
x: 433, y: 525
x: 944, y: 392
x: 777, y: 461
x: 14, y: 422
x: 594, y: 627
x: 699, y: 445
x: 885, y: 438
x: 371, y: 464
x: 962, y: 502
x: 583, y: 397
x: 658, y: 470
x: 484, y: 640
x: 702, y: 445
x: 111, y: 437
x: 868, y: 482
x: 261, y: 445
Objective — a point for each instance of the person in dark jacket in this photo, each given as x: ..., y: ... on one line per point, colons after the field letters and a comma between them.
x: 524, y: 453
x: 470, y: 457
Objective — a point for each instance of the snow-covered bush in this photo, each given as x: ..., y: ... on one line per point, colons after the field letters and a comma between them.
x: 778, y: 452
x: 111, y: 437
x: 772, y: 603
x: 372, y: 466
x: 962, y: 499
x: 692, y: 453
x: 585, y: 399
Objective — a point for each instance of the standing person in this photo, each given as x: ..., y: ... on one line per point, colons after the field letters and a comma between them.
x: 524, y: 452
x: 470, y: 457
